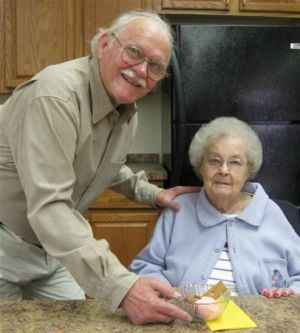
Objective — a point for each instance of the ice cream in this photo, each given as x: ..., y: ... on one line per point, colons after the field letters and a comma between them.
x: 208, y: 305
x: 208, y: 308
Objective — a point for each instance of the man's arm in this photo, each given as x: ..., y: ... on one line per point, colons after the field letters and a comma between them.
x: 137, y: 187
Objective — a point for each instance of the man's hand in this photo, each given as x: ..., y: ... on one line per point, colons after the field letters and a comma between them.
x: 166, y: 197
x: 277, y: 292
x: 144, y: 304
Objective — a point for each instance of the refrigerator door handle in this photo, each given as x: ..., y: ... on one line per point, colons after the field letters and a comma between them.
x: 295, y: 46
x: 179, y: 145
x: 178, y: 97
x: 179, y: 125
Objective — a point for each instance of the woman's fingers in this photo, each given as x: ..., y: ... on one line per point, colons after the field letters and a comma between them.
x: 277, y: 292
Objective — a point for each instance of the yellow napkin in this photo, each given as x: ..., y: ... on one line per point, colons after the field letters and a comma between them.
x: 232, y: 318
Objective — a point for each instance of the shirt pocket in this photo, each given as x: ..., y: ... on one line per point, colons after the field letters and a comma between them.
x: 274, y: 273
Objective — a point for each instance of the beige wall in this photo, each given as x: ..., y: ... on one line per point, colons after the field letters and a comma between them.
x: 148, y: 136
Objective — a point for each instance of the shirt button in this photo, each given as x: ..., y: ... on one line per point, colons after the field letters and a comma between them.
x: 229, y: 224
x: 202, y: 277
x: 217, y: 250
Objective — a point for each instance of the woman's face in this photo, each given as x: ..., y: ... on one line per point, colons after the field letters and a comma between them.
x: 225, y: 169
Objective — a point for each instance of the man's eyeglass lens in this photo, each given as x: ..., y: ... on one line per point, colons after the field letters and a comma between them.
x: 132, y: 55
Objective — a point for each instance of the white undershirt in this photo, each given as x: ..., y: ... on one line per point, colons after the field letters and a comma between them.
x: 223, y: 270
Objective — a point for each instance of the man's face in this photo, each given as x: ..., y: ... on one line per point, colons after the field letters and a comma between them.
x: 127, y: 83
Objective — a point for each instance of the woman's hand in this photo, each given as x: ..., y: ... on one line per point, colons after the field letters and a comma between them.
x: 277, y: 292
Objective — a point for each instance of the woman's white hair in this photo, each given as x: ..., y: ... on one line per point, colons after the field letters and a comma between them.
x: 124, y: 19
x: 225, y: 127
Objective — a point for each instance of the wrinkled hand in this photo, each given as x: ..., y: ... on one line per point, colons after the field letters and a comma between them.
x: 166, y: 197
x: 277, y: 292
x: 143, y: 303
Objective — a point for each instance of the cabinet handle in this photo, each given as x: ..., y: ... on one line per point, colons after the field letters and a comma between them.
x: 243, y: 3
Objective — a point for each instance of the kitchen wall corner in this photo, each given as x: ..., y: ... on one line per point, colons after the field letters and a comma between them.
x: 148, y: 136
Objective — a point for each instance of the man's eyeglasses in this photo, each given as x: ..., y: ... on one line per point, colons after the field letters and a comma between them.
x: 132, y: 55
x: 234, y: 165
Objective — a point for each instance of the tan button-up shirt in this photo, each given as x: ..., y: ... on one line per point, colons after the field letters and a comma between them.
x: 62, y: 143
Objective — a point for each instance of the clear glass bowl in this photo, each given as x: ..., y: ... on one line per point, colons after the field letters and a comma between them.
x: 206, y: 308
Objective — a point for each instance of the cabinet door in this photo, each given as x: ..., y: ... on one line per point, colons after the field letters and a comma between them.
x: 2, y: 63
x: 195, y: 4
x: 101, y: 13
x: 270, y: 5
x: 126, y: 232
x: 39, y: 33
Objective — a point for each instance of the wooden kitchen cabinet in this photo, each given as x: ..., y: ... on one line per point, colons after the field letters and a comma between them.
x: 266, y: 8
x: 2, y: 45
x: 38, y: 33
x: 125, y: 224
x: 195, y: 4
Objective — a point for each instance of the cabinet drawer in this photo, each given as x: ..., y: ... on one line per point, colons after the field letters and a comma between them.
x: 281, y: 6
x: 195, y: 4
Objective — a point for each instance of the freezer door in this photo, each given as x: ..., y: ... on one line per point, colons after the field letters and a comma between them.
x: 249, y: 72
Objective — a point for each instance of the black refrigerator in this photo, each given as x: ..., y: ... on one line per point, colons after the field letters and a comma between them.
x: 250, y: 72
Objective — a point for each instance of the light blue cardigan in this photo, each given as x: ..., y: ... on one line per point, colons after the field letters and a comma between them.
x: 186, y: 245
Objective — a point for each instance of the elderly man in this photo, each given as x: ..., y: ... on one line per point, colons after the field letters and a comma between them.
x: 64, y: 139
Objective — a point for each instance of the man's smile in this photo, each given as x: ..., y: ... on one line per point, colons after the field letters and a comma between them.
x: 131, y: 77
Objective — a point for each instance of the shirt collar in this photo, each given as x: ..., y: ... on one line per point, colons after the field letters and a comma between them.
x: 253, y: 214
x: 101, y: 102
x: 255, y: 211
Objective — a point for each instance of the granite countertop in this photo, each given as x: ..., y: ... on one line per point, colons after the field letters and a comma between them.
x: 149, y: 163
x: 274, y: 315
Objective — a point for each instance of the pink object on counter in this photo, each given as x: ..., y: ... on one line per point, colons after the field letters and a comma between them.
x: 208, y: 308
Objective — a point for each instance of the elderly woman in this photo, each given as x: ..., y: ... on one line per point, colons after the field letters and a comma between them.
x: 231, y: 230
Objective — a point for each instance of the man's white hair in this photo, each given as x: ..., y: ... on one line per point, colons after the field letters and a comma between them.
x: 124, y: 19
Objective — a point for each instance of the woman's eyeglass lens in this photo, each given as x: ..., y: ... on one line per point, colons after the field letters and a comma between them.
x: 232, y: 165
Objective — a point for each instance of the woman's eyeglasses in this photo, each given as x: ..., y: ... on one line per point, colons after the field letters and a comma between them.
x: 132, y: 55
x: 234, y: 165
